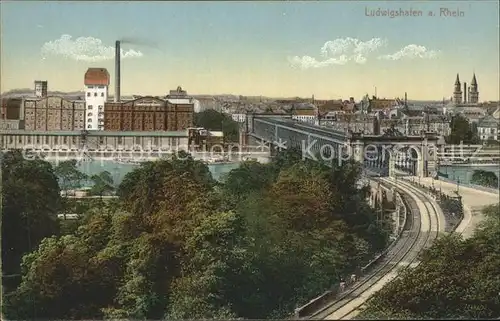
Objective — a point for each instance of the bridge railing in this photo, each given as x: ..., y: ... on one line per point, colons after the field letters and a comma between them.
x: 474, y: 186
x: 451, y: 206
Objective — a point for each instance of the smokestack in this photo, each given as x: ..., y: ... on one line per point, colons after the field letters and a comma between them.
x: 117, y: 71
x: 406, y: 99
x: 465, y: 92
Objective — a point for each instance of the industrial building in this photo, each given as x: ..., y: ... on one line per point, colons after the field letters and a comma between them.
x: 96, y: 82
x: 93, y: 140
x: 11, y: 108
x: 53, y: 113
x: 41, y: 88
x: 149, y: 114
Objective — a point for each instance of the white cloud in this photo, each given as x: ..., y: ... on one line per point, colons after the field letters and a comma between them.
x: 88, y: 49
x: 411, y: 52
x: 306, y: 62
x: 339, y: 52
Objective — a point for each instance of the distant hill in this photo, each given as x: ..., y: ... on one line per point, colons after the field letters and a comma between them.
x: 28, y: 92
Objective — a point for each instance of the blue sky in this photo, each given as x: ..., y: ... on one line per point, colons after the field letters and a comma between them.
x: 254, y: 48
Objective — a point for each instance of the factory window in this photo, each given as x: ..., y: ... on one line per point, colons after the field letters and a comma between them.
x: 119, y: 140
x: 38, y: 139
x: 88, y: 94
x: 102, y: 94
x: 56, y: 140
x: 89, y: 120
x: 89, y: 114
x: 11, y: 140
x: 89, y: 126
x: 65, y: 140
x: 90, y: 107
x: 20, y: 139
x: 101, y: 140
x: 137, y: 140
x: 74, y: 140
x: 101, y: 87
x: 95, y: 94
x: 46, y: 139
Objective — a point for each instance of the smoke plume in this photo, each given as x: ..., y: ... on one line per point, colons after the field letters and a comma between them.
x: 139, y: 42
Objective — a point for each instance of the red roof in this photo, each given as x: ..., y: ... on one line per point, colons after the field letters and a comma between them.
x: 97, y: 76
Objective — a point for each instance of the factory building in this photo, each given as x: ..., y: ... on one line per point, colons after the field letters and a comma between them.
x: 53, y: 113
x: 11, y: 108
x: 149, y: 114
x: 11, y: 116
x: 41, y: 88
x: 96, y: 82
x: 94, y: 141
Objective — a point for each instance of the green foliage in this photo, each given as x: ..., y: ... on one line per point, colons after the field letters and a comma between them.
x: 30, y: 200
x: 456, y: 279
x: 103, y: 184
x: 69, y: 175
x: 213, y: 120
x: 484, y: 178
x: 176, y: 245
x: 461, y: 131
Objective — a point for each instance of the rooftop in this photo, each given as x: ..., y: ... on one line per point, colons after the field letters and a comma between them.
x: 181, y: 133
x: 488, y: 122
x: 97, y: 76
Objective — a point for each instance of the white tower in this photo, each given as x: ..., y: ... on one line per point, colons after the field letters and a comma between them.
x: 41, y: 88
x: 96, y: 94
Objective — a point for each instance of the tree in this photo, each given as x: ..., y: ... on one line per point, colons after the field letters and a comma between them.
x: 213, y: 120
x: 103, y: 184
x: 215, y: 254
x: 67, y: 276
x: 461, y: 131
x: 456, y: 278
x: 249, y: 177
x: 174, y: 247
x: 69, y: 175
x: 30, y: 201
x: 484, y: 178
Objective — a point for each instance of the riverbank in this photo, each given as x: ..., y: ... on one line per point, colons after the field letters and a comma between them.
x: 118, y: 170
x: 464, y: 173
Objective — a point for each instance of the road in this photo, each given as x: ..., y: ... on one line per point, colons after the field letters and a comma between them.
x: 426, y: 223
x: 86, y: 197
x: 473, y: 200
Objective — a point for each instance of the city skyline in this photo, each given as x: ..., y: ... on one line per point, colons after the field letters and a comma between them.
x: 255, y: 48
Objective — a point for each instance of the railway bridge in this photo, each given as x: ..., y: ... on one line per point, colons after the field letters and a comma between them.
x: 382, y: 154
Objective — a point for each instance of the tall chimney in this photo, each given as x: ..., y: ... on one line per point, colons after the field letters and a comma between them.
x: 406, y: 99
x: 117, y: 71
x: 465, y: 92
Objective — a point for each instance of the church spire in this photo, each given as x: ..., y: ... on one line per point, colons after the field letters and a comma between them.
x: 457, y: 93
x: 474, y: 81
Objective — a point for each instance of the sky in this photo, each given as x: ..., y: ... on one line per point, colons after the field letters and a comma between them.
x: 329, y: 49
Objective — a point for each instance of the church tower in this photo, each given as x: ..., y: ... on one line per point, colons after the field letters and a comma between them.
x: 457, y: 93
x: 473, y: 91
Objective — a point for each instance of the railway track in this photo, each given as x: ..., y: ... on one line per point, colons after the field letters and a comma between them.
x: 424, y: 228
